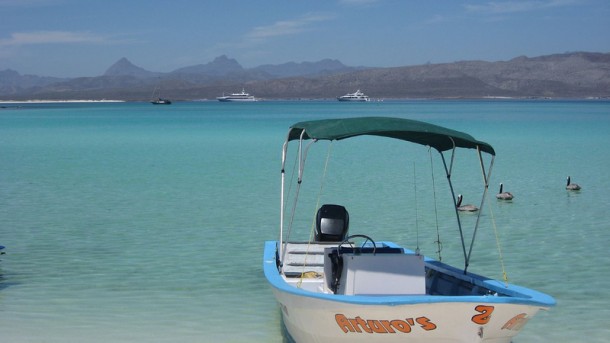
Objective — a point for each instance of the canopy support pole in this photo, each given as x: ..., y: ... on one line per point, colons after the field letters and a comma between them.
x: 457, y: 215
x: 486, y: 178
x: 302, y: 156
x: 282, y: 190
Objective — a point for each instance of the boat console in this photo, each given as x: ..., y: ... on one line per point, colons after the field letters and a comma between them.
x: 374, y: 271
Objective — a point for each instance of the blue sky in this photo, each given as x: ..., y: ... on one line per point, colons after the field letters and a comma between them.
x: 71, y: 38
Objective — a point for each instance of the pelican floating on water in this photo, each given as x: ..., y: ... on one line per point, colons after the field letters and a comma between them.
x: 465, y: 208
x: 504, y: 195
x: 572, y: 186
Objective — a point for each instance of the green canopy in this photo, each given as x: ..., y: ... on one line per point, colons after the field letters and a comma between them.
x: 414, y: 131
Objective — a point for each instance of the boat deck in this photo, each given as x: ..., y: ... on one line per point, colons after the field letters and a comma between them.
x: 305, y: 257
x: 380, y: 270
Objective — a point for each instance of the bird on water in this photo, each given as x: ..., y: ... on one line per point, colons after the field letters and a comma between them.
x: 504, y: 195
x: 572, y: 186
x: 465, y: 208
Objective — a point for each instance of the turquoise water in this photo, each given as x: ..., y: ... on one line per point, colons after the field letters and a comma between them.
x: 129, y: 222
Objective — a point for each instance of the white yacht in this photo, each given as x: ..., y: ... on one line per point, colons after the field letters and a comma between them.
x: 243, y: 96
x: 357, y: 96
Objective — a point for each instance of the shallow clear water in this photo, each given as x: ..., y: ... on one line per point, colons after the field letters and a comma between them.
x: 131, y: 222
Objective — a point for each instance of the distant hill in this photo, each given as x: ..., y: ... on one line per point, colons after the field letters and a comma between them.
x: 291, y: 69
x: 124, y: 67
x: 569, y: 75
x: 220, y: 66
x: 562, y: 76
x: 11, y: 82
x: 124, y: 80
x: 221, y: 69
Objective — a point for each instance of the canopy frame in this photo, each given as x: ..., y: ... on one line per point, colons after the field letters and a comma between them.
x: 437, y: 137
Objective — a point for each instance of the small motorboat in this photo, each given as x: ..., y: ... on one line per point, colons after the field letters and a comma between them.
x: 344, y: 287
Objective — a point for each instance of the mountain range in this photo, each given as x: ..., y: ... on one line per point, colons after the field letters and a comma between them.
x: 568, y: 75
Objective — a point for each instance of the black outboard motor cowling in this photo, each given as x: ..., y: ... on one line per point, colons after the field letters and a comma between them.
x: 332, y: 223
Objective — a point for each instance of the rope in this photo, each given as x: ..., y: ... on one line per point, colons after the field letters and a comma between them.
x: 313, y: 222
x: 438, y: 234
x: 416, y: 218
x: 294, y: 170
x: 493, y: 221
x: 291, y: 223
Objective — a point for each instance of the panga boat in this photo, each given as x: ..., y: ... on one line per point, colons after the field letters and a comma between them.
x: 356, y: 96
x: 337, y: 287
x: 243, y: 96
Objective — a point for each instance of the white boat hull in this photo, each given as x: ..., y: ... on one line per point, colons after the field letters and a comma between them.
x: 476, y: 310
x: 353, y: 99
x: 236, y: 99
x: 316, y: 320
